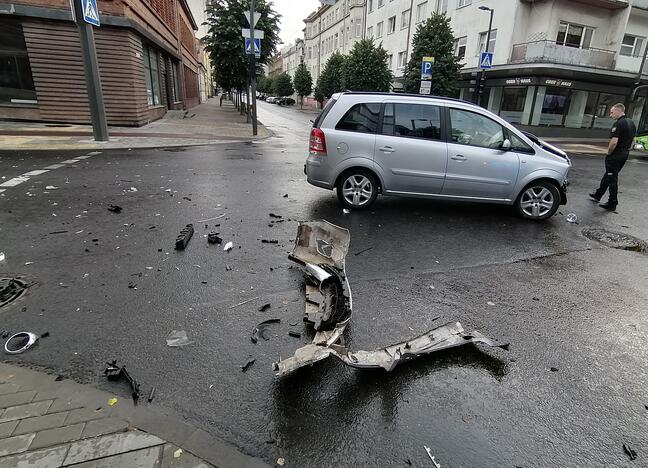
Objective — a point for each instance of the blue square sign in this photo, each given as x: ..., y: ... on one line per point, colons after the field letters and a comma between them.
x: 257, y: 47
x: 90, y: 12
x: 486, y: 61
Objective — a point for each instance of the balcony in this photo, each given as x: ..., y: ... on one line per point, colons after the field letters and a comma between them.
x: 609, y: 4
x: 550, y: 52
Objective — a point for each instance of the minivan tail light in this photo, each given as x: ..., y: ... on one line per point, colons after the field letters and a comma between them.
x: 318, y: 141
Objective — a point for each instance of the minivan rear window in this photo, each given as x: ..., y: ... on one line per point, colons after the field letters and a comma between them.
x: 322, y: 115
x: 362, y: 118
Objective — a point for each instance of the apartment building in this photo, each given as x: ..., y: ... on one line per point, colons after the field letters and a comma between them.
x: 558, y: 64
x: 292, y: 56
x: 147, y: 51
x: 198, y: 10
x: 332, y: 28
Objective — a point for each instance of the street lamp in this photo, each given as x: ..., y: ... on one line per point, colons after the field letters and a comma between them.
x: 482, y: 78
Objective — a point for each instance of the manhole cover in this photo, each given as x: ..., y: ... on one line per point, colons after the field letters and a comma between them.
x: 616, y: 240
x: 11, y: 289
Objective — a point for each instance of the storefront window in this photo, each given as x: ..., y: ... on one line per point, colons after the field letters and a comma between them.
x: 554, y: 106
x: 152, y: 76
x: 513, y: 100
x: 16, y: 83
x: 605, y: 103
x: 582, y: 108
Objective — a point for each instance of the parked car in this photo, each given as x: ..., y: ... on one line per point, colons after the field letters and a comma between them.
x: 363, y: 144
x: 286, y: 101
x: 271, y: 99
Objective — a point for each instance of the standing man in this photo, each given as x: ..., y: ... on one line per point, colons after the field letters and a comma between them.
x: 621, y: 139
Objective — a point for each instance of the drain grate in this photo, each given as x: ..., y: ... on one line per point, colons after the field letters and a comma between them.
x: 616, y: 240
x: 10, y: 290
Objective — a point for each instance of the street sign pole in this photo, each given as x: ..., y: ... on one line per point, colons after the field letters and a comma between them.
x: 91, y: 68
x: 482, y: 78
x: 253, y: 70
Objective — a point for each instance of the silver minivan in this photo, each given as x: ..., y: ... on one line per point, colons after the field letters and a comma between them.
x: 363, y: 144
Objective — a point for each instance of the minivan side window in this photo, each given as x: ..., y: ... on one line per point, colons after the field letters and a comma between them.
x: 412, y: 121
x: 362, y: 118
x: 519, y: 145
x: 470, y: 128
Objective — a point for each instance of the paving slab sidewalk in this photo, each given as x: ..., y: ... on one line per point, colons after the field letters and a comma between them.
x: 48, y: 423
x: 206, y: 124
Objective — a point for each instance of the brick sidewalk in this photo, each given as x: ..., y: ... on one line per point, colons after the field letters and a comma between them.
x: 48, y: 423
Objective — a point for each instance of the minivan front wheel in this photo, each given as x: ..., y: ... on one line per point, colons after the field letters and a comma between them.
x: 357, y: 189
x: 538, y: 201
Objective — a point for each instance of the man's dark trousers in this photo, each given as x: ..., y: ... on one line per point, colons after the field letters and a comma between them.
x: 613, y: 165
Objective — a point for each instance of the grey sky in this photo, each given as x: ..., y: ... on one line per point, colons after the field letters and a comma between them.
x: 292, y: 14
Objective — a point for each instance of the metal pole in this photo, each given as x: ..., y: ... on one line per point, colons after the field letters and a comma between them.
x: 253, y: 71
x: 92, y: 78
x: 482, y: 78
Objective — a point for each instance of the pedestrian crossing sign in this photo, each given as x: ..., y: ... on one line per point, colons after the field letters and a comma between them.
x: 90, y: 12
x: 486, y: 61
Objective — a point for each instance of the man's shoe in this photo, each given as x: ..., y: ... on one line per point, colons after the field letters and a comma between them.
x: 594, y: 197
x: 608, y: 206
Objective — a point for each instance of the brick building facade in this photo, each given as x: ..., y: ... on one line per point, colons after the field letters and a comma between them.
x: 147, y: 51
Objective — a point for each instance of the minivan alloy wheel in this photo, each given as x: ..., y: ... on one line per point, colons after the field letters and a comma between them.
x: 537, y: 201
x: 357, y: 190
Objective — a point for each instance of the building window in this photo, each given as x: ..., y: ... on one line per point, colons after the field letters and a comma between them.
x: 389, y: 60
x: 463, y: 3
x: 573, y: 35
x: 358, y: 28
x: 441, y: 7
x: 370, y: 32
x: 482, y: 42
x: 379, y: 29
x: 381, y: 3
x: 16, y: 82
x: 175, y: 74
x: 460, y: 46
x: 421, y: 11
x: 631, y: 46
x: 370, y: 6
x: 336, y: 41
x: 391, y: 25
x: 513, y: 102
x: 405, y: 19
x: 402, y: 59
x: 152, y: 76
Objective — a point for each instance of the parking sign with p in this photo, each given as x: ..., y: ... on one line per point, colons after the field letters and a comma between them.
x: 427, y: 65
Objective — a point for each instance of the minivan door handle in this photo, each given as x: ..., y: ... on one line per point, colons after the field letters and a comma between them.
x: 459, y: 157
x: 387, y: 149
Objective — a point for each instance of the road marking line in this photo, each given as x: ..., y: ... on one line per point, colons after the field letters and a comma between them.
x: 70, y: 161
x: 55, y: 166
x: 15, y: 181
x: 35, y: 173
x: 2, y: 190
x: 84, y: 157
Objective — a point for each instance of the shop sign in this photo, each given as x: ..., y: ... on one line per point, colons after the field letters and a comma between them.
x: 519, y: 81
x: 555, y: 82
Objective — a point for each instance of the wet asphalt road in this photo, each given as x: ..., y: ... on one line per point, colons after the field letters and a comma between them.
x: 561, y: 300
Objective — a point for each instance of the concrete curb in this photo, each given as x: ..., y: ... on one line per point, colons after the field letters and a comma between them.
x: 168, y: 427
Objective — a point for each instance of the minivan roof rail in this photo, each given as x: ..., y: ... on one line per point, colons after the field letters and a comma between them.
x: 382, y: 93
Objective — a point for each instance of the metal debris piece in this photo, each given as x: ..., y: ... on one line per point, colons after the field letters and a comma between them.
x: 213, y: 238
x: 572, y: 218
x: 151, y: 395
x: 294, y: 334
x: 177, y: 453
x: 429, y: 452
x: 114, y: 372
x: 2, y: 257
x: 363, y: 251
x: 228, y: 246
x: 177, y: 338
x: 244, y: 302
x: 20, y: 342
x: 247, y: 365
x: 630, y: 452
x: 346, y: 211
x: 269, y: 241
x: 264, y: 307
x: 112, y: 401
x: 183, y: 238
x: 261, y: 329
x: 272, y: 215
x: 114, y: 208
x: 211, y: 219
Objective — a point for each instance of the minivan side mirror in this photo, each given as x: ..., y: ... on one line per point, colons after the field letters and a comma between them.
x: 506, y: 145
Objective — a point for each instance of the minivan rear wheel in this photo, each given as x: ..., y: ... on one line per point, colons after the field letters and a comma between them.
x: 357, y: 189
x: 538, y: 201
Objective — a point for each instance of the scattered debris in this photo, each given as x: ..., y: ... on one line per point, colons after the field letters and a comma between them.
x: 2, y: 257
x: 285, y: 196
x: 264, y: 307
x: 281, y: 461
x: 112, y: 401
x: 211, y: 219
x: 244, y: 302
x: 177, y: 453
x: 572, y: 218
x: 228, y: 268
x: 21, y: 342
x: 51, y: 187
x: 228, y: 246
x: 177, y: 338
x: 554, y: 369
x: 261, y: 329
x: 183, y: 238
x: 213, y: 238
x: 114, y: 373
x: 490, y: 303
x: 346, y: 211
x: 151, y: 395
x: 58, y: 232
x: 429, y: 452
x: 186, y: 198
x: 630, y: 452
x: 269, y: 241
x: 132, y: 285
x: 272, y: 215
x: 59, y: 378
x: 114, y: 208
x: 132, y: 189
x: 294, y: 334
x: 363, y: 251
x: 247, y: 365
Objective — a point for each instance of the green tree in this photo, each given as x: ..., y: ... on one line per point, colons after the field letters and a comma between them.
x: 282, y: 85
x: 365, y: 69
x: 224, y: 43
x: 264, y: 84
x: 318, y: 94
x: 434, y: 38
x: 330, y: 80
x: 303, y: 82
